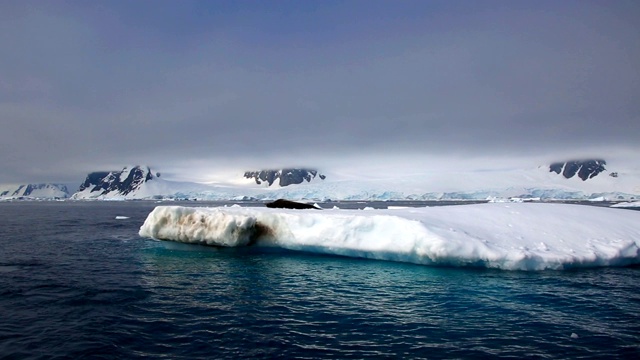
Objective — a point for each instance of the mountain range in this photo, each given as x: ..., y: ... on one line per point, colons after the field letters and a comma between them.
x: 575, y: 180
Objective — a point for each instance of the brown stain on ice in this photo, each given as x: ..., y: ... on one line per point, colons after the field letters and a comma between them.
x: 260, y: 230
x: 254, y: 233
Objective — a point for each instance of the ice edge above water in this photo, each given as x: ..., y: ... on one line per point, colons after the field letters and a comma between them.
x: 502, y: 236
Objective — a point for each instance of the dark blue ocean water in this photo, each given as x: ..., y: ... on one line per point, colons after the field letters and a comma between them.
x: 77, y: 283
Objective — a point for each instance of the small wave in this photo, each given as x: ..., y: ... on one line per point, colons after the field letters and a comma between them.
x: 8, y: 268
x: 122, y: 237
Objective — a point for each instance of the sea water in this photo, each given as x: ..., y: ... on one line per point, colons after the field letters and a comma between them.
x: 77, y: 281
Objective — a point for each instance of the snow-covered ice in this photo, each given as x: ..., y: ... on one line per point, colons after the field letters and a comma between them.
x: 514, y: 236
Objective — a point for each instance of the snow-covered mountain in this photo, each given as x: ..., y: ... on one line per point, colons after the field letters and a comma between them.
x: 113, y: 183
x: 132, y: 182
x: 285, y: 177
x: 34, y: 191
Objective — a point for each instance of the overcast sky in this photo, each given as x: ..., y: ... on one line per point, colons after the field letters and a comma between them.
x: 204, y: 86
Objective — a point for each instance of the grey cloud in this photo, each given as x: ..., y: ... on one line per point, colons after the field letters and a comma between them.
x: 509, y: 79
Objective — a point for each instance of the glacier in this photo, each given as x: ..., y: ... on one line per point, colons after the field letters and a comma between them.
x: 509, y: 236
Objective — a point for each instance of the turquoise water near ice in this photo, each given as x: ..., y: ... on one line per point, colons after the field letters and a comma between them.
x: 75, y: 282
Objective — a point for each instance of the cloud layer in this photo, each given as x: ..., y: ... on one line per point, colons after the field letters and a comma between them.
x: 187, y: 85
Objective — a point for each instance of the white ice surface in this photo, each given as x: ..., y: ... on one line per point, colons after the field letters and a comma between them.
x: 515, y: 236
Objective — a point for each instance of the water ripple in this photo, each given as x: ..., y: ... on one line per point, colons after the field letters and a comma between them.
x: 98, y: 292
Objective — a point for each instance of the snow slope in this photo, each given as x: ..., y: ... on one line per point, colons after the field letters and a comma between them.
x: 503, y: 236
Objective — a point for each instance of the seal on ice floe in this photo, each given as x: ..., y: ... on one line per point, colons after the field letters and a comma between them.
x: 287, y: 204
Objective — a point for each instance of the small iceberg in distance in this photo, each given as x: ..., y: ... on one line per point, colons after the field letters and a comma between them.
x: 510, y: 236
x: 628, y: 204
x: 122, y: 217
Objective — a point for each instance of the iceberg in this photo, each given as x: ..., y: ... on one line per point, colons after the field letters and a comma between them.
x: 627, y: 204
x: 509, y: 236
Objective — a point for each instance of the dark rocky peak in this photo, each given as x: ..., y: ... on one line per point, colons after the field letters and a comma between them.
x: 93, y: 179
x: 584, y: 169
x: 285, y: 177
x: 134, y: 178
